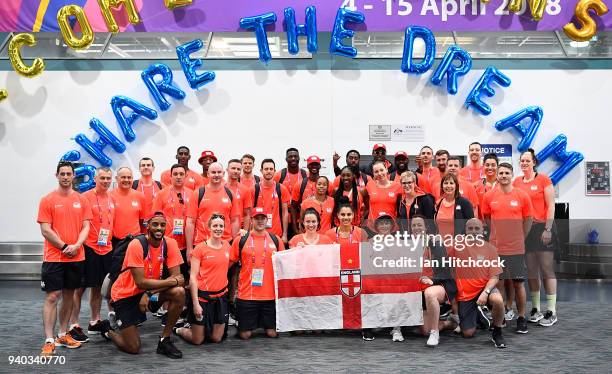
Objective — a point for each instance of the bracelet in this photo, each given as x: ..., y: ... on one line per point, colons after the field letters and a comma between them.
x: 65, y: 246
x: 176, y: 279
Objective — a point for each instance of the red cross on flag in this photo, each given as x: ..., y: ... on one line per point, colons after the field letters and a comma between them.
x: 341, y: 287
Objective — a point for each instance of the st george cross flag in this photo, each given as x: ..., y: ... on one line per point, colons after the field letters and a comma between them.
x: 346, y: 287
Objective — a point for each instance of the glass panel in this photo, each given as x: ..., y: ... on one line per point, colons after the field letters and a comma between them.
x: 151, y: 46
x: 243, y: 45
x: 51, y: 46
x: 524, y: 44
x: 598, y: 47
x: 391, y: 44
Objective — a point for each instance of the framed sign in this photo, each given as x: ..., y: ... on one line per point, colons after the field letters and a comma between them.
x: 597, y: 178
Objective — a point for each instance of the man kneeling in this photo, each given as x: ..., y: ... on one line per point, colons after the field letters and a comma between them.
x: 142, y: 286
x: 476, y: 285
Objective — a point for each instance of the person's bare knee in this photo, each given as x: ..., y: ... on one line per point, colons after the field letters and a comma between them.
x: 469, y: 333
x: 53, y: 296
x: 244, y: 335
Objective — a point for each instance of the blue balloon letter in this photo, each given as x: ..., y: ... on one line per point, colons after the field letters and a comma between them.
x: 189, y: 65
x: 534, y: 113
x: 424, y: 33
x: 158, y: 89
x: 453, y: 72
x: 82, y: 170
x: 483, y: 85
x: 558, y: 149
x: 340, y: 32
x: 138, y: 110
x: 309, y: 30
x: 258, y: 23
x: 96, y: 150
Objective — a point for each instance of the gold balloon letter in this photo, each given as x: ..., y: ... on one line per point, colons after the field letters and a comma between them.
x: 171, y: 4
x: 588, y: 29
x: 536, y: 6
x: 14, y: 50
x: 3, y: 94
x: 130, y: 7
x: 69, y: 37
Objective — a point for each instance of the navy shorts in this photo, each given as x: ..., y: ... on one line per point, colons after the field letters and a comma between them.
x: 253, y: 314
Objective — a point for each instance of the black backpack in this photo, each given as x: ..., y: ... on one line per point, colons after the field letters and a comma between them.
x: 202, y: 190
x: 284, y: 175
x: 136, y: 181
x: 280, y: 198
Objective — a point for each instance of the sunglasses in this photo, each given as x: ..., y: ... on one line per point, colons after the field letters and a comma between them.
x: 217, y: 215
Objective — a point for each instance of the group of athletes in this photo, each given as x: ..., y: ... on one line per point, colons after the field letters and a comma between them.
x: 196, y: 247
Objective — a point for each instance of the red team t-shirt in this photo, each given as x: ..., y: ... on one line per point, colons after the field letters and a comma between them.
x: 242, y: 197
x: 192, y: 181
x: 471, y: 280
x: 323, y: 239
x: 168, y: 202
x: 270, y: 201
x: 535, y: 190
x: 383, y: 199
x: 214, y: 263
x: 101, y: 225
x: 129, y: 210
x: 149, y: 192
x: 213, y: 201
x: 325, y: 210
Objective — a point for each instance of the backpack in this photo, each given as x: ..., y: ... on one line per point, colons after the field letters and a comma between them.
x: 119, y: 253
x: 136, y: 181
x: 284, y: 175
x: 202, y: 190
x: 280, y: 198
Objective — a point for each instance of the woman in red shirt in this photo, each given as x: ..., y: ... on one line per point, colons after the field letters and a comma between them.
x: 209, y: 266
x: 452, y: 211
x: 348, y: 188
x: 311, y: 222
x: 540, y: 243
x: 346, y: 232
x: 381, y: 196
x: 322, y: 203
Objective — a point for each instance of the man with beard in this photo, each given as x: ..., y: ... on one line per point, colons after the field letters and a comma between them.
x: 379, y: 152
x: 352, y: 161
x: 473, y: 172
x: 427, y: 173
x: 206, y: 159
x: 193, y: 180
x: 401, y: 165
x: 290, y: 177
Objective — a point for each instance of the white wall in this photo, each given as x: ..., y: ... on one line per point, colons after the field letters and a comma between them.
x: 264, y: 112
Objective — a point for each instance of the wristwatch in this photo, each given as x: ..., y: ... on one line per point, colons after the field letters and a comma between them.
x: 65, y: 246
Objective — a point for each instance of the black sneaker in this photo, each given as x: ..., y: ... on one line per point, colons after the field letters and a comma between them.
x: 164, y: 319
x: 96, y: 328
x: 77, y: 334
x: 445, y: 310
x: 497, y: 338
x: 521, y: 325
x: 166, y: 347
x: 105, y: 327
x: 367, y: 335
x: 482, y: 321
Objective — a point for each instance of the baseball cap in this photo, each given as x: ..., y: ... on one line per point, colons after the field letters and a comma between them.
x: 401, y: 153
x: 207, y: 154
x: 313, y: 160
x: 384, y: 215
x: 257, y: 211
x: 378, y: 146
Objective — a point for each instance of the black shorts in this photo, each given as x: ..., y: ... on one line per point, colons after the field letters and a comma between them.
x: 214, y: 312
x: 96, y: 267
x: 128, y: 311
x: 185, y: 265
x: 533, y: 241
x: 56, y: 276
x: 253, y: 314
x: 514, y: 267
x: 468, y: 312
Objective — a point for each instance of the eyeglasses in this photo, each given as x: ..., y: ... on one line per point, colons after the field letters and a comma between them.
x: 407, y: 183
x: 217, y: 215
x: 180, y: 198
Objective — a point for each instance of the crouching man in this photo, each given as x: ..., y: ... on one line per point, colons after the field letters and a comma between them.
x: 150, y: 276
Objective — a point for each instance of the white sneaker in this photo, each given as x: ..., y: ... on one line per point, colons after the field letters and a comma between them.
x: 434, y: 338
x: 397, y: 334
x: 231, y: 321
x: 112, y: 319
x: 510, y: 314
x: 455, y: 318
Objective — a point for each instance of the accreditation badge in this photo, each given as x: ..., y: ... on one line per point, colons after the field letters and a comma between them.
x: 103, y: 237
x: 178, y: 225
x: 257, y: 277
x: 269, y: 221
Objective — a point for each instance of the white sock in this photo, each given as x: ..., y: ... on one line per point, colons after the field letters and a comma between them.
x: 61, y: 334
x: 49, y: 340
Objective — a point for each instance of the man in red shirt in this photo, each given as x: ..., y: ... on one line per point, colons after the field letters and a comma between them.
x: 98, y: 254
x: 140, y: 287
x: 441, y: 157
x: 274, y: 198
x: 304, y: 189
x: 427, y: 173
x: 255, y: 304
x: 379, y: 153
x: 206, y: 159
x: 193, y: 180
x: 466, y: 189
x: 353, y: 158
x: 241, y: 193
x: 508, y: 212
x: 473, y: 172
x: 64, y: 217
x: 247, y: 178
x: 149, y: 187
x: 129, y: 207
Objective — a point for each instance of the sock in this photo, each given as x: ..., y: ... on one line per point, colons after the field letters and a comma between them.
x: 49, y: 340
x: 535, y: 300
x: 73, y: 326
x: 551, y: 303
x: 61, y: 334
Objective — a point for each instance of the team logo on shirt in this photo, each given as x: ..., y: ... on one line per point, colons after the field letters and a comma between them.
x: 513, y: 203
x: 191, y: 180
x: 271, y: 246
x: 329, y: 210
x: 391, y: 194
x: 135, y: 204
x: 534, y: 187
x: 76, y: 205
x: 350, y: 282
x: 225, y: 200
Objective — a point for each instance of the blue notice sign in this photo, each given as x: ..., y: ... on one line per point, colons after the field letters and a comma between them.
x: 503, y: 151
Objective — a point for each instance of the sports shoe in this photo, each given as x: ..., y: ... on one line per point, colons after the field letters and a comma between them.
x: 454, y: 318
x: 160, y: 312
x: 66, y: 341
x: 521, y: 325
x: 535, y: 316
x: 510, y: 314
x: 77, y: 334
x: 445, y: 311
x: 96, y: 328
x: 548, y: 320
x: 397, y: 334
x: 434, y: 338
x: 482, y: 321
x: 166, y: 347
x: 497, y: 338
x: 231, y: 321
x: 48, y: 349
x: 367, y: 335
x: 112, y: 318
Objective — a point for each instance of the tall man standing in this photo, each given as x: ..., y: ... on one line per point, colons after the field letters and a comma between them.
x: 427, y: 173
x: 474, y: 171
x: 240, y: 192
x: 274, y: 198
x: 149, y: 187
x: 193, y: 180
x: 64, y: 217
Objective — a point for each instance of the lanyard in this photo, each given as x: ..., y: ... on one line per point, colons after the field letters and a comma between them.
x: 484, y: 182
x: 161, y: 262
x: 142, y: 188
x: 350, y: 238
x: 171, y: 202
x: 291, y: 183
x: 100, y: 209
x: 263, y: 262
x: 274, y: 197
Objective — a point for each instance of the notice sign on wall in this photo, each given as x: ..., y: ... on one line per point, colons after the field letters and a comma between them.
x: 379, y: 133
x: 503, y: 151
x: 598, y: 178
x: 397, y: 133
